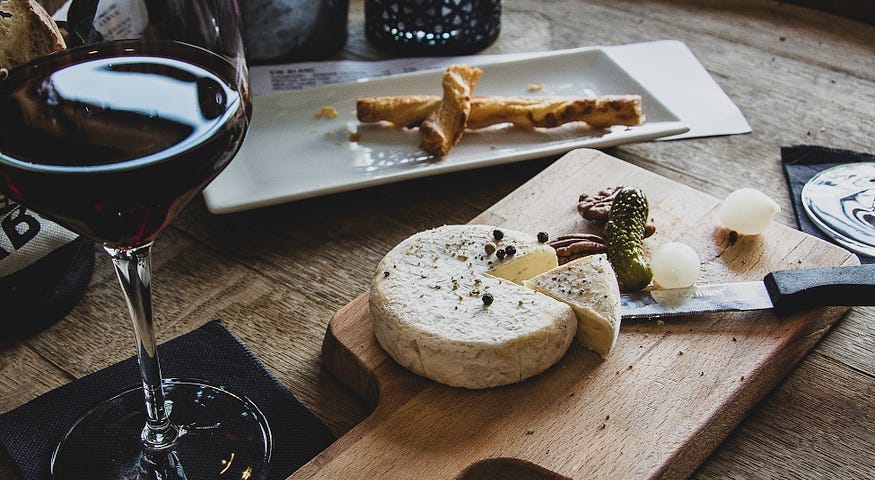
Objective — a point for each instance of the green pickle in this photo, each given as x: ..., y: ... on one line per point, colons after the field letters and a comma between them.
x: 624, y: 236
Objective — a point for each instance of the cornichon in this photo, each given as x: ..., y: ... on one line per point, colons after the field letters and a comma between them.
x: 624, y: 236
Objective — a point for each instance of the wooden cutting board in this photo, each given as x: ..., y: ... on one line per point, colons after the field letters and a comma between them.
x: 665, y: 398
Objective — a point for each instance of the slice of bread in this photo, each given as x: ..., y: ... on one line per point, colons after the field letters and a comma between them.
x: 26, y: 32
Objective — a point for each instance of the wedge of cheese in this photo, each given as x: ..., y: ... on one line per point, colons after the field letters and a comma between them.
x: 589, y: 285
x: 446, y: 309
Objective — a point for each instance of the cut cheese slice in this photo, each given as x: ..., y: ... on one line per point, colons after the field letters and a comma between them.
x: 589, y: 285
x: 430, y: 303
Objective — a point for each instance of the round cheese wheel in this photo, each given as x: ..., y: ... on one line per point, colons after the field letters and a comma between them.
x: 446, y: 308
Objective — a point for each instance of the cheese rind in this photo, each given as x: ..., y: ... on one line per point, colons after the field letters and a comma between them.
x: 590, y: 287
x: 426, y: 301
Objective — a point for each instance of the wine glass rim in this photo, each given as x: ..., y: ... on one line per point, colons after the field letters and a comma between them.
x: 85, y: 51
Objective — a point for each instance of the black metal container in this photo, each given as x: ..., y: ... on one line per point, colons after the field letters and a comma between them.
x: 432, y: 27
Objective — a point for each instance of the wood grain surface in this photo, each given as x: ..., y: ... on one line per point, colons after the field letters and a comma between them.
x: 276, y: 276
x: 667, y: 395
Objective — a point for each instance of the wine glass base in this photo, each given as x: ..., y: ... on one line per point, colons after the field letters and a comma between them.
x: 841, y: 202
x: 222, y: 435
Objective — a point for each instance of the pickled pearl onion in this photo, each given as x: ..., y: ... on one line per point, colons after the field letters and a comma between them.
x: 675, y: 265
x: 747, y: 211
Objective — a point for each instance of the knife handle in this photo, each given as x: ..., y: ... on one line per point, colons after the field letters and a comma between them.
x: 793, y: 290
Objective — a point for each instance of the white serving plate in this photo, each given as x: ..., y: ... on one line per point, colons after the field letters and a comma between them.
x: 289, y: 154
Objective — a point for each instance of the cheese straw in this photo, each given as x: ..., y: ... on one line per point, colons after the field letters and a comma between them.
x: 526, y: 112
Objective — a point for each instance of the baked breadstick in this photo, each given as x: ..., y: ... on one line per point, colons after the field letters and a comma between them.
x: 526, y: 112
x: 550, y: 112
x: 442, y: 128
x: 403, y: 110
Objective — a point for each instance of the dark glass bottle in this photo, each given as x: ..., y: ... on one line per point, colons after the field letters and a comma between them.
x: 38, y: 296
x: 432, y: 27
x: 52, y: 279
x: 277, y: 31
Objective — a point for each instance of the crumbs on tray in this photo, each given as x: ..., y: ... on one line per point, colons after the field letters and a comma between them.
x: 326, y: 112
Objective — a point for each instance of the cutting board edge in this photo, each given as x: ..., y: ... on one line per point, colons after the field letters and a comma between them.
x: 343, y: 363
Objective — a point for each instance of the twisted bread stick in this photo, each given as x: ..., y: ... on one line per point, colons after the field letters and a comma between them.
x: 526, y: 112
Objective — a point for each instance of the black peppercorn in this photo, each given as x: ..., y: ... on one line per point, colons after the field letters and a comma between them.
x: 487, y: 299
x: 543, y: 237
x: 500, y: 254
x: 510, y: 250
x: 497, y: 234
x: 733, y: 237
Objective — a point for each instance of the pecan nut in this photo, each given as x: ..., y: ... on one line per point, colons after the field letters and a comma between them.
x: 577, y: 245
x: 598, y: 206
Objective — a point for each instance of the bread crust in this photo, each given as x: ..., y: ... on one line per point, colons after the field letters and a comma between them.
x: 27, y: 32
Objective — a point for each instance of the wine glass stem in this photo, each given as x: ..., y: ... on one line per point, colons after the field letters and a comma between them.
x: 133, y: 268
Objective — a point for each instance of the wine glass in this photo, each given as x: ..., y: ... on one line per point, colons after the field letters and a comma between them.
x: 112, y: 138
x: 841, y: 202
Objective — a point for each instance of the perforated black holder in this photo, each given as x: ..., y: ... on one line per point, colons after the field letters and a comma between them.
x: 210, y: 353
x: 801, y: 162
x: 432, y: 27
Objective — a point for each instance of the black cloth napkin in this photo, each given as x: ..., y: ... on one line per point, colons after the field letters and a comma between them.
x: 801, y: 162
x: 211, y: 353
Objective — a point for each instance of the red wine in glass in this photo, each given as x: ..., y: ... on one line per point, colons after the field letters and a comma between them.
x: 117, y: 164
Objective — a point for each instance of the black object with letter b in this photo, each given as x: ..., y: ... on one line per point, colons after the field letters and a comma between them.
x: 44, y: 270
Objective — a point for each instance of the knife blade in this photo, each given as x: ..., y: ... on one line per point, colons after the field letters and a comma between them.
x: 784, y: 291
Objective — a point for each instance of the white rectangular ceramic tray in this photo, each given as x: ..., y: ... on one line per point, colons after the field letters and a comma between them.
x: 290, y: 154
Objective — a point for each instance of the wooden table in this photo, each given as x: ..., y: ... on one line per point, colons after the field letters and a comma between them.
x: 276, y: 276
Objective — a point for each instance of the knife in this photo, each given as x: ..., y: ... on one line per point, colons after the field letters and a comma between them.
x: 784, y: 291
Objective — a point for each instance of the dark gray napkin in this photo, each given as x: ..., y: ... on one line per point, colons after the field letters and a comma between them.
x: 211, y: 353
x: 801, y: 162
